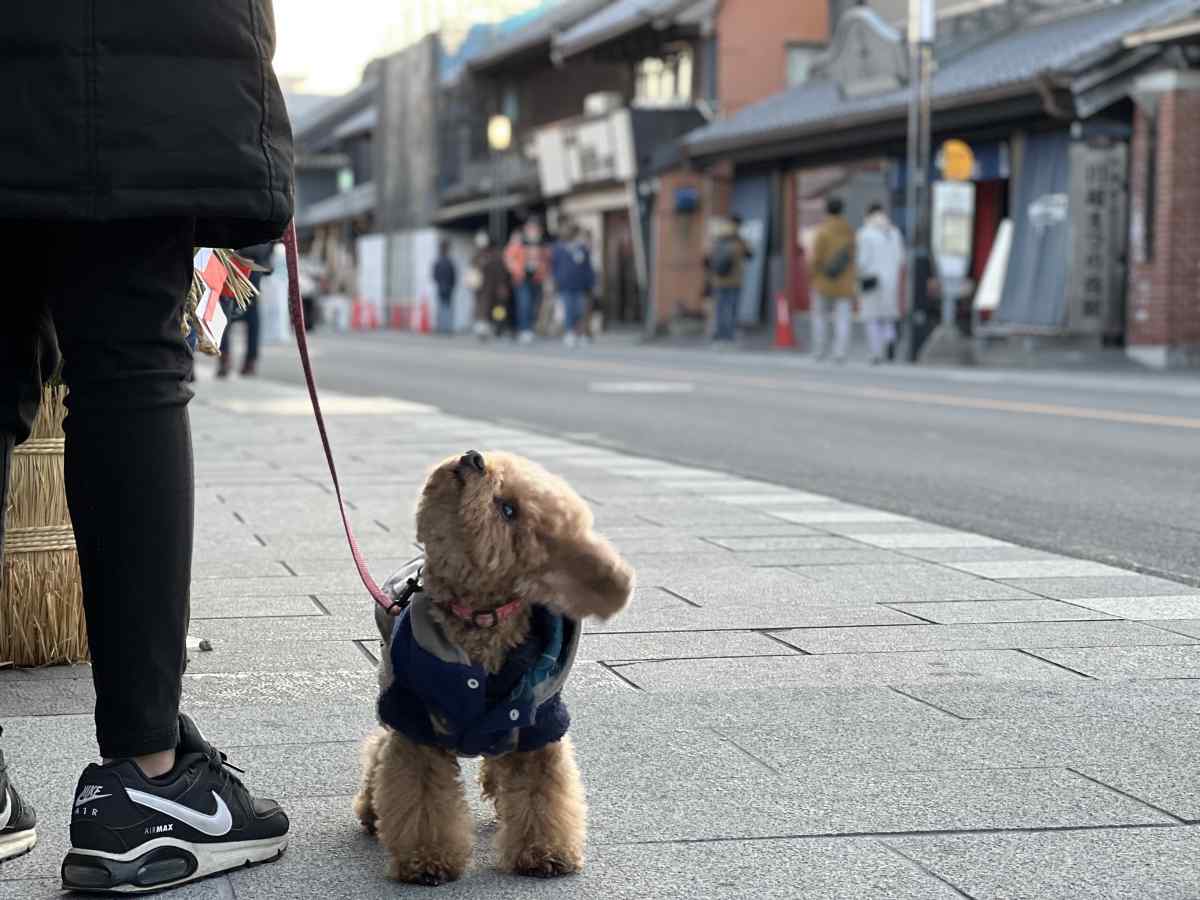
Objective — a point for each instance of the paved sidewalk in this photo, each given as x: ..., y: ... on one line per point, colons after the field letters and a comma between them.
x: 807, y: 699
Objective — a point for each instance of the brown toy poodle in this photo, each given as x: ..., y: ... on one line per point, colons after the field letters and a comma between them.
x: 474, y: 666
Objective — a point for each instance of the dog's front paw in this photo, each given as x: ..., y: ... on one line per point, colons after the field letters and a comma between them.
x: 541, y: 862
x: 364, y: 811
x: 427, y: 872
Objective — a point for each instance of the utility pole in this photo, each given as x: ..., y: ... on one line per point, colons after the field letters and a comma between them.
x: 921, y: 19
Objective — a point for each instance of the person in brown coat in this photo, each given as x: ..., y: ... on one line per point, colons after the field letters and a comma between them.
x: 834, y: 282
x: 489, y: 279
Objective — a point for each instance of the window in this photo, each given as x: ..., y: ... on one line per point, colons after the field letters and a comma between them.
x: 510, y: 103
x: 800, y: 59
x: 665, y: 80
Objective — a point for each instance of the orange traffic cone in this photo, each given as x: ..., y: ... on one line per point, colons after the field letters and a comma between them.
x: 423, y: 324
x: 785, y: 338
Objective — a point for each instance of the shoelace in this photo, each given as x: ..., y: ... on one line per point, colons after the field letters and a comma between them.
x: 219, y: 762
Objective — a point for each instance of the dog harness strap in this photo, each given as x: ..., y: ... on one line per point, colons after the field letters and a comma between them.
x: 485, y: 618
x: 296, y: 308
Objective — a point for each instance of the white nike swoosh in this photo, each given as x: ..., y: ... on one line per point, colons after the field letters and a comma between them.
x: 7, y: 813
x: 219, y: 824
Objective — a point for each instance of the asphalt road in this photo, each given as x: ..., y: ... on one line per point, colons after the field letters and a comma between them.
x: 1105, y: 466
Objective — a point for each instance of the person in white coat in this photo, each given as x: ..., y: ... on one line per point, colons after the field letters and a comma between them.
x: 880, y: 257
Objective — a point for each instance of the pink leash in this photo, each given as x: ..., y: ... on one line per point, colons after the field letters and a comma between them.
x: 296, y: 307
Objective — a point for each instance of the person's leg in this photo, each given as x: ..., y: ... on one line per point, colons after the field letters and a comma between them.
x: 874, y: 329
x: 28, y: 358
x: 146, y: 817
x: 571, y: 301
x: 726, y: 313
x: 253, y: 331
x: 129, y: 472
x: 524, y: 307
x: 889, y: 340
x: 535, y: 304
x: 225, y: 361
x: 820, y: 332
x: 843, y: 313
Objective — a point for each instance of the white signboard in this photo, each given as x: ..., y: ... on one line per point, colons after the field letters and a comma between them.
x: 953, y: 227
x: 586, y: 151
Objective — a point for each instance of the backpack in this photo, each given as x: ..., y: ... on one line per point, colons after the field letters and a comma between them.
x: 724, y: 259
x: 837, y: 264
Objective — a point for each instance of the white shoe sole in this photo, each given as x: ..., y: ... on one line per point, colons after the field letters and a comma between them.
x: 211, y: 859
x: 17, y: 843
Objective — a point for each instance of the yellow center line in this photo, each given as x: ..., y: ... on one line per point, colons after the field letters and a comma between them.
x: 866, y: 392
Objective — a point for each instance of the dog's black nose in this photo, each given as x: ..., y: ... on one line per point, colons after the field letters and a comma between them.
x: 474, y: 460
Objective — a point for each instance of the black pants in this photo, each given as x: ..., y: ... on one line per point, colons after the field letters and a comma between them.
x: 110, y: 298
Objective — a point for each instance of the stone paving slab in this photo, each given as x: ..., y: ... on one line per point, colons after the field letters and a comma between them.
x: 1129, y: 662
x: 1102, y: 586
x: 846, y: 869
x: 679, y: 645
x: 965, y: 612
x: 781, y: 543
x: 1173, y: 789
x: 1105, y: 864
x: 763, y: 616
x: 974, y: 554
x: 1012, y: 636
x: 817, y: 557
x: 283, y: 604
x: 902, y: 582
x: 1190, y: 627
x: 1102, y: 700
x: 748, y: 804
x: 238, y: 656
x: 1157, y: 742
x: 1037, y: 568
x: 849, y: 668
x: 1184, y: 606
x: 920, y: 538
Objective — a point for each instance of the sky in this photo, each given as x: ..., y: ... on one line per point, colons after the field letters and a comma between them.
x: 327, y: 44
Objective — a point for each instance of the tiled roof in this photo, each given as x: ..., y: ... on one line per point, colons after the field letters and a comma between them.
x: 615, y: 19
x: 1010, y: 60
x: 539, y: 31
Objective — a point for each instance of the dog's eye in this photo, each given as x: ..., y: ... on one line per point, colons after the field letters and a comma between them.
x: 507, y: 510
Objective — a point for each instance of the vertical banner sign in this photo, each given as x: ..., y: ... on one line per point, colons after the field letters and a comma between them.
x: 1098, y: 209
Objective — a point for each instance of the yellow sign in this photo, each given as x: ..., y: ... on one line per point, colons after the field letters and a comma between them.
x: 957, y: 161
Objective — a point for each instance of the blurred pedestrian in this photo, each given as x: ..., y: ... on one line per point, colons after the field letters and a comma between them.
x: 575, y: 278
x: 834, y: 282
x: 880, y: 258
x: 117, y: 166
x: 727, y: 265
x: 260, y: 255
x: 489, y: 279
x: 445, y: 278
x: 528, y: 263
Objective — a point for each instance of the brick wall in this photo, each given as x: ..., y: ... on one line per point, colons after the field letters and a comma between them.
x: 752, y: 40
x: 1164, y: 289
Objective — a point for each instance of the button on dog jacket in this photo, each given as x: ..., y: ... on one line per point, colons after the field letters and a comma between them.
x: 437, y: 697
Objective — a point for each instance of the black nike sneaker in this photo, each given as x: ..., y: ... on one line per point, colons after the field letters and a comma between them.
x: 133, y: 834
x: 18, y: 821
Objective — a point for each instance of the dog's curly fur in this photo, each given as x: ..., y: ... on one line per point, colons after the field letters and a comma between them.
x: 412, y: 795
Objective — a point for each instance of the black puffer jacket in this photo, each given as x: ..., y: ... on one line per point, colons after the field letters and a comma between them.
x: 116, y: 109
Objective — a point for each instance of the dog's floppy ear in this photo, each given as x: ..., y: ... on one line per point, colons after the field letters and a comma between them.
x: 587, y: 577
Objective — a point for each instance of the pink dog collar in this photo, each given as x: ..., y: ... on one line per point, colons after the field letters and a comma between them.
x: 485, y: 618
